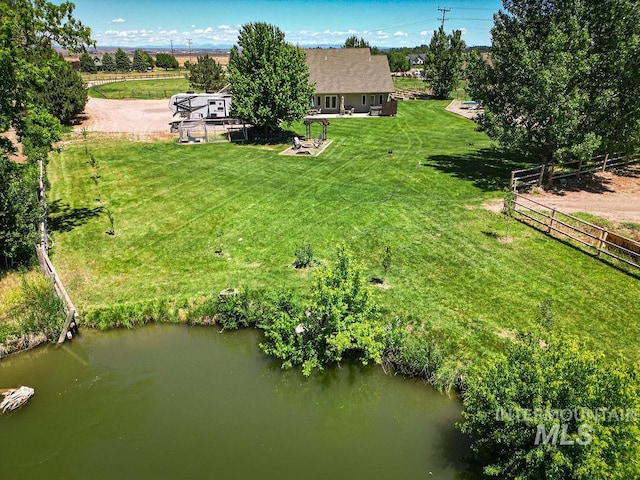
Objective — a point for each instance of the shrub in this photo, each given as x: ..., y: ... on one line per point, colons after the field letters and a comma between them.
x: 304, y: 256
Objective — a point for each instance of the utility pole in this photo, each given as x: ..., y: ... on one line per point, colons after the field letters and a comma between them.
x: 171, y: 47
x: 444, y: 14
x: 189, y: 42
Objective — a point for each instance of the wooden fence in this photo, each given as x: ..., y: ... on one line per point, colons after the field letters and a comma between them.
x: 47, y: 268
x: 540, y: 175
x: 597, y: 240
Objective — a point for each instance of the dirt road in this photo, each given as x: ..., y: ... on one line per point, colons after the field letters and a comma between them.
x: 138, y: 117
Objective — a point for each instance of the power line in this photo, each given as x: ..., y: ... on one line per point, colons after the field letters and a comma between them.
x: 444, y: 14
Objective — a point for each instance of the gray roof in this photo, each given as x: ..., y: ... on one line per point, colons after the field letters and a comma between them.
x: 348, y: 70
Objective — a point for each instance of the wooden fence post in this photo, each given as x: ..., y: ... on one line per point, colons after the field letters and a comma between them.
x: 602, y: 239
x: 512, y: 185
x: 604, y: 164
x: 551, y: 218
x: 541, y: 177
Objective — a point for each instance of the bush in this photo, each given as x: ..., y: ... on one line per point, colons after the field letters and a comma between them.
x: 304, y: 256
x: 512, y: 405
x: 341, y: 319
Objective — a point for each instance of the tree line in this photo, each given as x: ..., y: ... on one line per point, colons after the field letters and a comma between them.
x: 120, y: 62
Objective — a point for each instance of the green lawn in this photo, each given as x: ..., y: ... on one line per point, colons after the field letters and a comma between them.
x: 143, y: 89
x: 416, y: 182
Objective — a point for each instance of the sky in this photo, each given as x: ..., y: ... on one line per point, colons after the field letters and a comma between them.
x: 307, y: 23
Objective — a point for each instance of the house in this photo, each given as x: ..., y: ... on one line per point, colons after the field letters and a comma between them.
x: 416, y: 59
x: 97, y: 61
x: 350, y: 80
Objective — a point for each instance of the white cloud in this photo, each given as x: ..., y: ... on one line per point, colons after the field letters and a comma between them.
x: 424, y: 33
x: 382, y: 35
x: 400, y: 34
x: 118, y: 20
x: 463, y: 31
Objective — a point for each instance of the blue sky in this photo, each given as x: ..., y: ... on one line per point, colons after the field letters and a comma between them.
x: 383, y: 23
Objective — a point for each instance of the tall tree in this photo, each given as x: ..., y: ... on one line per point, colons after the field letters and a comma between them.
x: 206, y: 75
x: 269, y: 77
x: 443, y: 62
x: 139, y: 65
x: 87, y: 64
x: 166, y: 61
x: 123, y: 64
x: 398, y: 62
x: 535, y: 89
x: 355, y: 42
x: 28, y: 28
x: 66, y: 93
x: 108, y: 63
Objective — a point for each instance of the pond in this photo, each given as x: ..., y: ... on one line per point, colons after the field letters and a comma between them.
x: 167, y: 401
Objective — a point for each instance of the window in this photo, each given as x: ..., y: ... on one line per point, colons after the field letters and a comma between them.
x: 380, y: 99
x: 331, y: 101
x: 364, y: 99
x: 372, y: 100
x: 319, y: 104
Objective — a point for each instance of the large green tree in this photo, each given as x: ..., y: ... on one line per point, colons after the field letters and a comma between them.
x: 87, y: 65
x: 139, y: 64
x: 561, y: 81
x: 398, y: 62
x: 553, y: 409
x: 269, y: 78
x: 123, y: 63
x: 166, y: 61
x: 443, y: 62
x: 66, y: 93
x: 28, y: 62
x: 108, y: 63
x: 206, y: 75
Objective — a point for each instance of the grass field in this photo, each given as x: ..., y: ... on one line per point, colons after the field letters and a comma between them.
x: 416, y: 182
x: 156, y: 89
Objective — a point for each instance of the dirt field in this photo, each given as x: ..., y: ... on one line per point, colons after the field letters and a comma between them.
x: 611, y: 196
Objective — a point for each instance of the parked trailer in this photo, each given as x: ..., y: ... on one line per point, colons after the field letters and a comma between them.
x: 205, y: 106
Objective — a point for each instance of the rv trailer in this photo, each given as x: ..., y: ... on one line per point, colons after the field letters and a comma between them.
x: 201, y: 106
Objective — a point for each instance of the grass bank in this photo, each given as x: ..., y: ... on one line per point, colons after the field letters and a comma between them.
x: 192, y: 220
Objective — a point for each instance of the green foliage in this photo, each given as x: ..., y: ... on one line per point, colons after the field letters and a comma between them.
x: 123, y: 64
x: 341, y: 319
x: 304, y: 256
x: 87, y: 65
x: 398, y: 62
x: 548, y: 372
x: 40, y: 129
x: 269, y: 78
x: 508, y: 208
x: 18, y: 213
x: 109, y: 63
x: 139, y: 64
x: 206, y: 75
x: 130, y: 315
x: 561, y: 82
x: 44, y: 313
x: 443, y: 62
x: 355, y: 42
x: 66, y: 93
x: 166, y: 61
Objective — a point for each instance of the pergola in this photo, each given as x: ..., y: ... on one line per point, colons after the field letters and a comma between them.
x: 323, y: 121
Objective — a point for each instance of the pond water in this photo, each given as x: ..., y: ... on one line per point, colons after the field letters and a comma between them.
x: 167, y: 401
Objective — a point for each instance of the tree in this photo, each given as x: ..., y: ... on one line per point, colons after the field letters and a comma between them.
x: 355, y: 42
x: 443, y: 62
x: 18, y: 212
x: 341, y: 319
x: 206, y: 75
x: 139, y: 64
x: 535, y: 90
x: 108, y: 63
x: 28, y: 28
x: 148, y: 60
x: 398, y: 62
x: 87, y: 64
x: 166, y: 61
x: 123, y: 64
x: 553, y: 409
x: 269, y: 78
x: 66, y: 93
